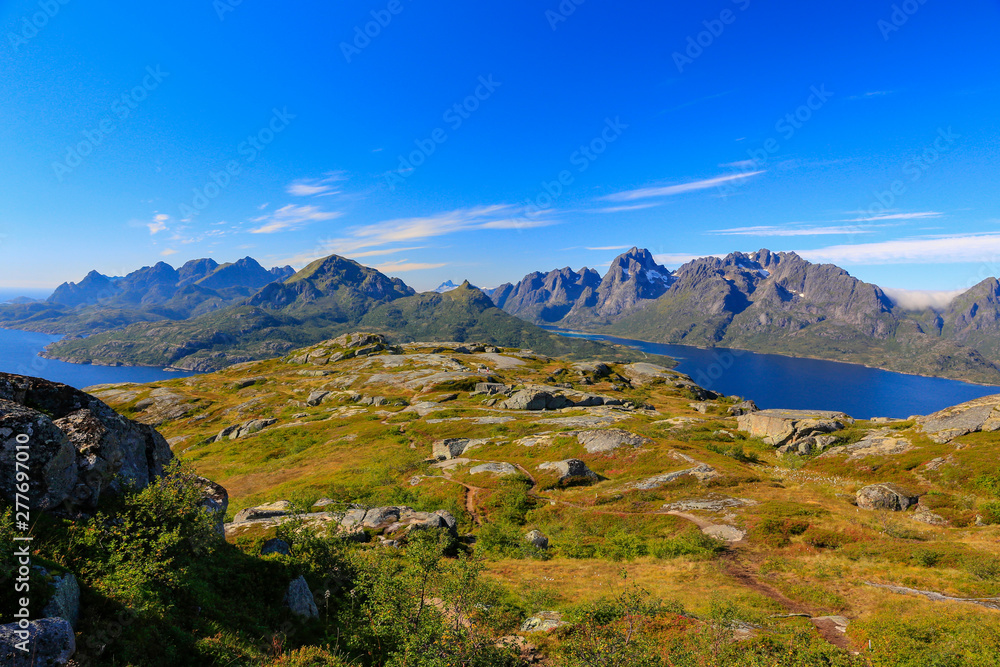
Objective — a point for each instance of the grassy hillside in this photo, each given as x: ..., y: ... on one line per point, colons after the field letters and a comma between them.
x: 808, y: 551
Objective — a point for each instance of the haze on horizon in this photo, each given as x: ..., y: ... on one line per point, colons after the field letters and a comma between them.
x: 485, y: 142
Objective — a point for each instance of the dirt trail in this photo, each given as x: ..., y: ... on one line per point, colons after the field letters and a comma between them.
x: 826, y: 628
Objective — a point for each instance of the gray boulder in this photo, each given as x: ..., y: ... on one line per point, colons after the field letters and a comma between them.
x: 497, y: 468
x: 606, y: 440
x: 275, y: 546
x: 65, y: 600
x: 886, y: 497
x: 215, y: 500
x: 300, y: 599
x: 528, y: 399
x: 237, y: 431
x: 780, y: 427
x: 491, y: 388
x: 570, y: 470
x: 279, y: 508
x: 543, y: 621
x: 451, y: 448
x: 537, y: 539
x: 316, y: 397
x: 744, y: 408
x: 50, y: 642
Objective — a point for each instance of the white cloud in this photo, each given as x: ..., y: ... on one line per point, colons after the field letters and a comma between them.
x: 923, y: 215
x: 312, y: 187
x: 680, y: 188
x: 921, y: 299
x: 405, y: 265
x: 158, y: 224
x: 741, y: 164
x: 376, y: 239
x: 291, y: 217
x: 921, y: 250
x: 627, y: 207
x: 778, y: 230
x: 610, y: 247
x: 168, y: 252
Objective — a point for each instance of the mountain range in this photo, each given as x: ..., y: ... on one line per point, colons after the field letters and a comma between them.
x: 329, y: 297
x: 206, y: 316
x: 159, y: 292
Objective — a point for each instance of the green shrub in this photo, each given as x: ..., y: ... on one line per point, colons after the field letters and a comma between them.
x: 622, y: 545
x: 691, y: 542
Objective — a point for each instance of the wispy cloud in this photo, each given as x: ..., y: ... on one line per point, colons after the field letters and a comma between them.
x: 158, y: 224
x: 919, y: 250
x: 741, y: 164
x: 378, y: 238
x: 291, y: 217
x: 168, y: 252
x: 922, y: 215
x: 610, y: 247
x: 312, y: 187
x: 680, y: 188
x: 404, y: 265
x: 872, y: 94
x: 627, y: 207
x: 782, y: 230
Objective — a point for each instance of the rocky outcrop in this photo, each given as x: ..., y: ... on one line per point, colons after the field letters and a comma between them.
x: 49, y: 642
x: 782, y: 427
x: 981, y: 414
x: 542, y: 397
x: 65, y: 600
x: 395, y: 521
x: 79, y: 447
x: 497, y: 468
x: 215, y: 501
x: 347, y: 346
x: 543, y: 621
x: 451, y: 448
x: 742, y: 408
x: 275, y: 546
x: 571, y: 471
x: 606, y: 440
x: 237, y: 431
x: 890, y: 497
x: 299, y: 599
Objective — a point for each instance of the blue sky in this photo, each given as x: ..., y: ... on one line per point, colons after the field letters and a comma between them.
x: 488, y: 140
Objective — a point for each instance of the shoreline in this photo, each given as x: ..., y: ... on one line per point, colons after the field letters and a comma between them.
x: 779, y: 354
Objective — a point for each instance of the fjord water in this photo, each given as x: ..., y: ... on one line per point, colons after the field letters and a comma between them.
x: 775, y: 381
x: 19, y: 354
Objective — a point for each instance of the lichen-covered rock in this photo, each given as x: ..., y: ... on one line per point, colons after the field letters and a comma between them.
x: 300, y: 599
x: 451, y: 448
x: 543, y: 621
x: 279, y: 508
x: 780, y: 427
x: 537, y: 539
x: 570, y: 470
x: 250, y: 427
x: 79, y: 447
x: 495, y: 467
x: 275, y: 546
x: 606, y: 440
x: 50, y: 643
x: 982, y: 414
x: 65, y: 600
x: 886, y: 497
